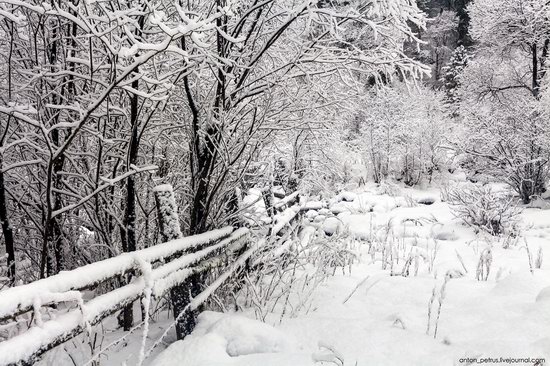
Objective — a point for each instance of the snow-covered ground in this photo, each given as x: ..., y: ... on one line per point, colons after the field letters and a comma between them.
x: 433, y: 312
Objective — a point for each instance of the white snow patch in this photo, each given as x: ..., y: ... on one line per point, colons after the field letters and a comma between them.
x: 227, y: 339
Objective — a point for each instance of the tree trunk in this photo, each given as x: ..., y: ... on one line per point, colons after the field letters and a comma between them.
x: 206, y: 142
x: 204, y: 161
x: 56, y: 234
x: 53, y: 262
x: 180, y: 296
x: 6, y: 228
x: 535, y: 73
x: 130, y: 212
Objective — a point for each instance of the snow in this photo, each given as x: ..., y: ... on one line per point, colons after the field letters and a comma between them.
x: 153, y: 281
x: 544, y: 294
x: 376, y: 316
x: 340, y: 207
x: 22, y: 297
x: 283, y: 219
x: 310, y: 214
x: 168, y: 210
x: 332, y: 225
x: 314, y: 205
x: 316, y: 98
x: 57, y: 289
x: 254, y: 207
x: 163, y: 188
x: 176, y: 271
x: 359, y: 317
x: 345, y: 196
x: 227, y: 339
x: 255, y: 211
x: 220, y: 280
x: 287, y: 199
x: 23, y: 346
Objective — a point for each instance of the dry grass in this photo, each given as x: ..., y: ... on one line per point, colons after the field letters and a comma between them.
x: 484, y: 264
x: 438, y: 295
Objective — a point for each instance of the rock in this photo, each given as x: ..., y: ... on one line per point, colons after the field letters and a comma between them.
x: 426, y: 201
x: 311, y: 214
x: 319, y: 218
x: 347, y: 196
x: 324, y: 211
x: 331, y: 226
x: 340, y: 207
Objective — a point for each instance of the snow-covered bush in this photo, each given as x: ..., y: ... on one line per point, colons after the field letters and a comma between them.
x: 508, y: 143
x: 482, y: 207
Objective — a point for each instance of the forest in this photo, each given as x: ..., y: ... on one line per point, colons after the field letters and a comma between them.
x: 274, y: 182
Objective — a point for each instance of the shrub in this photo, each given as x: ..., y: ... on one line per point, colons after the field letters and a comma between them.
x: 482, y: 207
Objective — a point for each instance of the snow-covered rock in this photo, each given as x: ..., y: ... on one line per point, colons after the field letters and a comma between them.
x: 324, y: 211
x: 346, y: 196
x: 319, y: 218
x: 332, y: 225
x: 426, y: 200
x: 341, y: 207
x: 311, y: 214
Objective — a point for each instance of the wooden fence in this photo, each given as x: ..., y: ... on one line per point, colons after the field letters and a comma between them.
x: 178, y: 267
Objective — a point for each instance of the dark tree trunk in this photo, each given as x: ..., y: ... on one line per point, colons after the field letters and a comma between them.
x: 6, y: 228
x: 204, y: 162
x: 130, y: 212
x: 543, y: 57
x: 205, y: 145
x: 4, y: 219
x: 535, y: 87
x: 57, y: 237
x: 53, y: 259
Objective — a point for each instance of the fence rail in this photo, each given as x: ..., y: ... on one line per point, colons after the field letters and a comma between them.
x: 175, y: 264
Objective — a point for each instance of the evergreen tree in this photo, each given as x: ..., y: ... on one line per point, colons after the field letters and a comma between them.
x: 464, y: 38
x: 452, y: 71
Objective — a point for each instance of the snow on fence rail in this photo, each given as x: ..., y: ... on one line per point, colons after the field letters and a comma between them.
x: 26, y: 347
x: 156, y: 270
x: 19, y: 299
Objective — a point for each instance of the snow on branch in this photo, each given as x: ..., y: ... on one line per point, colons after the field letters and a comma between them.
x: 108, y: 183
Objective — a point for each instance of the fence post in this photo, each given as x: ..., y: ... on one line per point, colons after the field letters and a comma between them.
x: 267, y: 196
x: 168, y: 221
